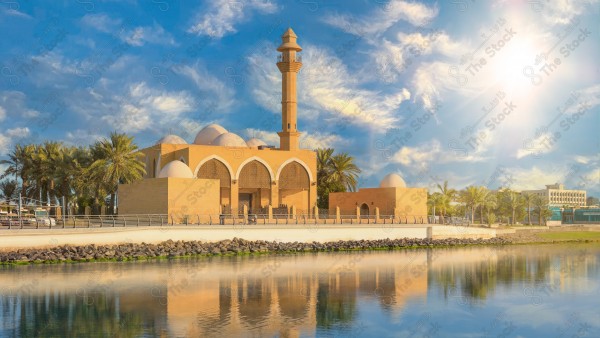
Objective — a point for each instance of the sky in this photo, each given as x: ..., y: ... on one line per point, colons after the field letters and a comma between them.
x: 493, y: 93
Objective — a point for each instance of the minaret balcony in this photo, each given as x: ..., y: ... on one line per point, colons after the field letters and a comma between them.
x: 285, y: 58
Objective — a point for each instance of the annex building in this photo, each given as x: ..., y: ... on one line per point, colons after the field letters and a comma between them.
x: 221, y: 173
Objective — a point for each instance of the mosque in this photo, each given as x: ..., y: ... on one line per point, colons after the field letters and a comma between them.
x: 222, y: 174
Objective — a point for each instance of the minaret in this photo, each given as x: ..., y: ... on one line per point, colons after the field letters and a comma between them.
x: 289, y: 65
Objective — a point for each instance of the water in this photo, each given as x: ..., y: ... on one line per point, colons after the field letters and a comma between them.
x: 527, y: 291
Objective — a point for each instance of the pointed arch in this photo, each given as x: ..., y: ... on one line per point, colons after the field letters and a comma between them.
x: 214, y: 157
x: 258, y: 159
x: 294, y: 159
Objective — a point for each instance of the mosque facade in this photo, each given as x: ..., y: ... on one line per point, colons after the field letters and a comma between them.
x: 221, y: 173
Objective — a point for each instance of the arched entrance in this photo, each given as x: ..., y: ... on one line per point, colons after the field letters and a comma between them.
x: 254, y: 187
x: 294, y: 185
x: 216, y: 169
x: 364, y: 210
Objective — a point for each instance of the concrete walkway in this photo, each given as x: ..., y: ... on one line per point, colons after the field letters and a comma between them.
x: 39, y: 238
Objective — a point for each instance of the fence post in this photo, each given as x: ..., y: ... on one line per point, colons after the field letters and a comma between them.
x: 113, y: 219
x: 138, y: 220
x: 149, y: 220
x: 172, y: 220
x: 161, y: 220
x: 88, y: 219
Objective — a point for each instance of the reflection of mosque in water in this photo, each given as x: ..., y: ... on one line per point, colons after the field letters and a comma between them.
x: 289, y: 300
x: 263, y: 295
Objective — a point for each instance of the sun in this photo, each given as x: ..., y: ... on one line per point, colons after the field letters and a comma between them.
x: 507, y: 68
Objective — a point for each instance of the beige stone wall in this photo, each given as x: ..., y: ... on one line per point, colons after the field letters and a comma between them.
x: 383, y: 198
x: 411, y: 202
x: 143, y: 197
x: 390, y: 201
x: 192, y: 197
x: 291, y: 197
x: 235, y: 158
x: 173, y: 196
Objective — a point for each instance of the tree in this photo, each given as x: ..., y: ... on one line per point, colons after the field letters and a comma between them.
x: 8, y: 190
x: 118, y: 161
x: 448, y: 195
x: 490, y: 202
x: 511, y: 203
x: 471, y: 197
x: 335, y: 173
x: 528, y: 200
x: 541, y: 206
x: 435, y: 200
x: 19, y: 164
x: 344, y: 171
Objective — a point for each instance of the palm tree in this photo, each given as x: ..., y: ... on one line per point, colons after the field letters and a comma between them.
x: 471, y: 197
x: 118, y: 162
x: 344, y: 171
x: 323, y: 164
x: 19, y: 164
x: 541, y: 205
x: 514, y: 201
x: 528, y: 199
x: 8, y: 190
x: 435, y: 200
x: 448, y: 195
x: 490, y: 202
x: 48, y: 157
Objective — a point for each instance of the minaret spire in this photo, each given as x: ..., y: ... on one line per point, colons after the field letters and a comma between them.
x: 289, y: 65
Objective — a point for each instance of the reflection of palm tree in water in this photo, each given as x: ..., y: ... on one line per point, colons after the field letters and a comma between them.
x: 336, y: 300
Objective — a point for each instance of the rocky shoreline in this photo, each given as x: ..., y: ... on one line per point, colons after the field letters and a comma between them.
x: 237, y: 246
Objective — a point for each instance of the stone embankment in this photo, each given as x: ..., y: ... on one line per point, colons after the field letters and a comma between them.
x: 237, y: 246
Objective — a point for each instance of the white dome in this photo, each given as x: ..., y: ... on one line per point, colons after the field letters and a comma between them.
x: 254, y: 143
x: 229, y: 140
x: 171, y: 139
x: 208, y: 134
x: 392, y: 181
x: 176, y: 169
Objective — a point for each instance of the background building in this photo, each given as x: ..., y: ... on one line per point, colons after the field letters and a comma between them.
x: 557, y: 195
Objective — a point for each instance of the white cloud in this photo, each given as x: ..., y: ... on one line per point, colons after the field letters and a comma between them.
x: 141, y: 35
x: 534, y: 178
x: 100, y: 22
x: 542, y: 144
x: 419, y: 155
x: 306, y: 141
x: 4, y: 144
x: 384, y: 17
x: 222, y: 16
x: 328, y: 89
x: 561, y: 12
x: 219, y: 97
x: 14, y: 12
x: 13, y: 103
x: 144, y: 107
x: 8, y: 138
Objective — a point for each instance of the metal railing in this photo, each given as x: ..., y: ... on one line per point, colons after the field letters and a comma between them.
x: 120, y: 221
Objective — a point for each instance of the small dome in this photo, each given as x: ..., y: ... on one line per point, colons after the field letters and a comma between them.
x: 392, y: 181
x: 255, y: 143
x: 229, y: 140
x: 208, y: 134
x: 171, y: 139
x: 176, y: 169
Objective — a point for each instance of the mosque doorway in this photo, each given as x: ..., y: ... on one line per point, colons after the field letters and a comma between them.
x: 254, y: 187
x: 245, y: 199
x: 364, y: 210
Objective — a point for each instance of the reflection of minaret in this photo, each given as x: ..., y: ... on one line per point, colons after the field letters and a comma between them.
x: 289, y: 65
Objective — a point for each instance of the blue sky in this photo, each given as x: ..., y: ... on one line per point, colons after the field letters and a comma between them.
x: 494, y: 93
